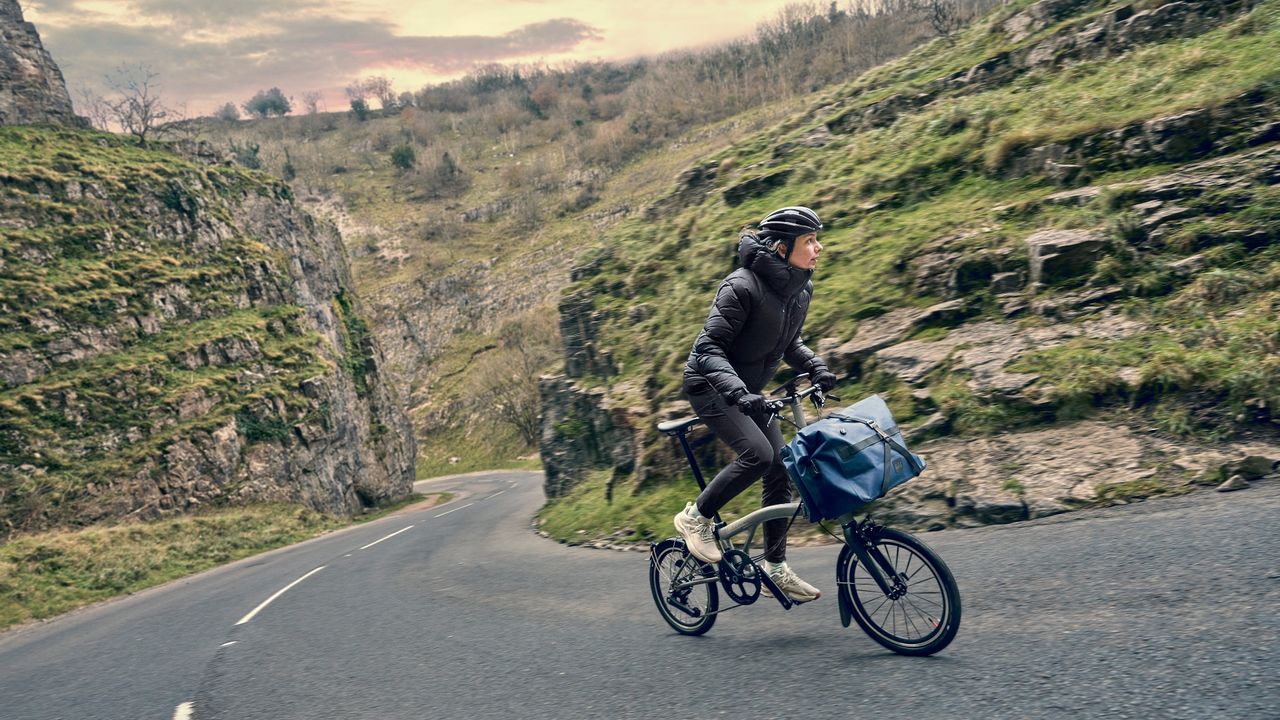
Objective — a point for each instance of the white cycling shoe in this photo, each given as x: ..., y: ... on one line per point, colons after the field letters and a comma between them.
x: 699, y: 535
x: 791, y: 585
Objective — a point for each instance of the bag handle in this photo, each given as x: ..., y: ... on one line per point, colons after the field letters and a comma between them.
x: 866, y: 421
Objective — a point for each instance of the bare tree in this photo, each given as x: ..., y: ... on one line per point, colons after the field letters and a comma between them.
x: 944, y: 16
x: 311, y: 101
x: 95, y: 107
x: 138, y: 110
x: 379, y: 86
x: 179, y: 126
x: 505, y: 379
x: 356, y: 91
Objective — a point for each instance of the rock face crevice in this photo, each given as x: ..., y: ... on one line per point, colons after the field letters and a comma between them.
x: 578, y: 435
x: 32, y: 90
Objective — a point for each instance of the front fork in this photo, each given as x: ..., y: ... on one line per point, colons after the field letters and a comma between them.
x: 860, y: 540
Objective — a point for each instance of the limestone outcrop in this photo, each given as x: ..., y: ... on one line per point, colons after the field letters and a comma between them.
x: 178, y: 335
x: 32, y: 90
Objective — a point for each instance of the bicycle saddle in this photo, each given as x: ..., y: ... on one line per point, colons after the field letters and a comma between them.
x: 678, y: 425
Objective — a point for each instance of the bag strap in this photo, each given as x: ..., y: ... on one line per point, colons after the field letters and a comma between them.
x: 889, y: 443
x: 869, y: 423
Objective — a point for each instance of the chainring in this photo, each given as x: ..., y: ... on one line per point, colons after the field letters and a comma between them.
x: 740, y: 577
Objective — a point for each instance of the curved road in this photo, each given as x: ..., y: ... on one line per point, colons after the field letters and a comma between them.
x: 1166, y: 609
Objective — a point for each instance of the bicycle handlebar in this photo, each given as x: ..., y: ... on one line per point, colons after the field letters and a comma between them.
x: 794, y: 396
x: 776, y: 405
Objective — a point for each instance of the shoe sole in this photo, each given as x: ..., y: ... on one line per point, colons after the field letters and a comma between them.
x: 764, y: 592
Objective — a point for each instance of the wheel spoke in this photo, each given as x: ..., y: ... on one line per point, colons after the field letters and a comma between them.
x: 929, y: 621
x: 927, y: 600
x: 884, y: 599
x: 907, y: 618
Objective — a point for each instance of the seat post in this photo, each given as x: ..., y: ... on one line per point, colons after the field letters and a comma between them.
x: 682, y: 436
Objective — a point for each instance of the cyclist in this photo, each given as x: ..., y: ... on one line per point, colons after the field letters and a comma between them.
x: 754, y: 323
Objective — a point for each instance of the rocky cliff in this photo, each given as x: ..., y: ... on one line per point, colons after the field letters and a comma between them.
x: 1051, y: 245
x: 176, y: 333
x: 32, y: 90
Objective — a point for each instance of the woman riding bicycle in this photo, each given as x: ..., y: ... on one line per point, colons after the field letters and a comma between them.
x: 754, y: 323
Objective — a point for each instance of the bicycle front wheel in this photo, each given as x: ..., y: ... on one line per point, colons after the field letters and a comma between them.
x: 922, y: 615
x: 683, y: 587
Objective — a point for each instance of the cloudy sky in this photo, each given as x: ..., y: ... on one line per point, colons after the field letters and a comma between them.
x: 208, y: 52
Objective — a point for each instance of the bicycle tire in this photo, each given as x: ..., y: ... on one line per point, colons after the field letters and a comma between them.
x: 860, y: 590
x: 665, y: 560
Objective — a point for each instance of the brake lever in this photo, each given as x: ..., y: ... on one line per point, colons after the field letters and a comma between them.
x: 775, y: 408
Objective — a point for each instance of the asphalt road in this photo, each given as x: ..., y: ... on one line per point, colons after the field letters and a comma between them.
x: 1163, y: 609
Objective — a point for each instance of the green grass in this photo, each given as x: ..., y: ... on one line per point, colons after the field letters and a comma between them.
x: 1138, y: 490
x: 951, y: 192
x: 1217, y: 340
x: 491, y: 446
x: 586, y: 514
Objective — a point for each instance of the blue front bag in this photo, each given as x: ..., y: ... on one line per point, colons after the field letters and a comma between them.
x: 848, y: 459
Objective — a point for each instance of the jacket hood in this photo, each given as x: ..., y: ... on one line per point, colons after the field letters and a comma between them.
x: 778, y: 274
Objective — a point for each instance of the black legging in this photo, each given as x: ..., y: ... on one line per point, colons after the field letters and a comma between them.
x: 757, y: 446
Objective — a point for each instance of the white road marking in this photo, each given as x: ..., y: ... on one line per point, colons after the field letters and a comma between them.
x: 225, y: 644
x: 455, y: 509
x: 496, y: 494
x: 183, y: 712
x: 280, y: 592
x: 513, y: 485
x: 375, y: 542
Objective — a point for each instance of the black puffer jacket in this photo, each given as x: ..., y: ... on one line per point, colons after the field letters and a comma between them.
x: 754, y: 323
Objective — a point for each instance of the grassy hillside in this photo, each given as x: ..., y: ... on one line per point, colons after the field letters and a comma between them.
x: 507, y: 176
x: 931, y: 159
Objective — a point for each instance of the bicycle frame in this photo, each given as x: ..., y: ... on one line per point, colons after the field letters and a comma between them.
x: 855, y: 534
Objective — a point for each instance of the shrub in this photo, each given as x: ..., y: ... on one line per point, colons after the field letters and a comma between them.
x: 403, y: 157
x: 247, y: 154
x: 267, y: 103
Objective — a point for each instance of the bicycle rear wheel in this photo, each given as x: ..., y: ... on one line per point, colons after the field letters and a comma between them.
x: 689, y: 609
x: 922, y: 615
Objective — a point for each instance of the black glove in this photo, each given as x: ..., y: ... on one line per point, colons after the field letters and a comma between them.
x: 824, y: 379
x: 752, y: 404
